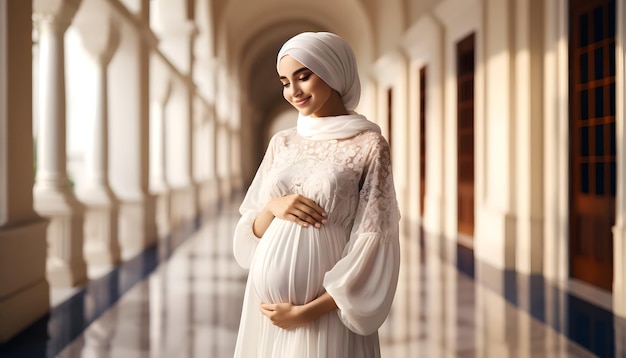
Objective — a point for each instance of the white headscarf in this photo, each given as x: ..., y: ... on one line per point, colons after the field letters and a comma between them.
x: 338, y: 127
x: 331, y: 58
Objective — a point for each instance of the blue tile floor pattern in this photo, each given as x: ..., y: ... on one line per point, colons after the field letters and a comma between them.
x: 186, y: 303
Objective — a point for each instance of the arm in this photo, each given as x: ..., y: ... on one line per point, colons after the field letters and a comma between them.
x: 363, y: 282
x: 258, y: 209
x: 295, y: 207
x: 287, y: 316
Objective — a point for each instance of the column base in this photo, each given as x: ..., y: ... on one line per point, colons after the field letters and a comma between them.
x: 619, y: 270
x: 101, y: 236
x: 494, y: 238
x: 163, y: 215
x: 137, y: 227
x: 62, y: 275
x: 529, y: 250
x: 208, y: 199
x: 184, y: 211
x: 225, y: 189
x: 65, y: 264
x: 433, y: 214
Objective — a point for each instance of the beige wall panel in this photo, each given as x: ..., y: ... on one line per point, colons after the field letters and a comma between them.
x: 423, y: 43
x: 494, y: 236
x: 619, y: 231
x: 556, y: 142
x: 528, y: 130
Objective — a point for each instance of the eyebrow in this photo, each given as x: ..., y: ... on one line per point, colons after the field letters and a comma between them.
x: 296, y: 72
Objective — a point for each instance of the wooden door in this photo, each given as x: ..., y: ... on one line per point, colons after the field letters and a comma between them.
x: 465, y: 129
x: 422, y: 119
x: 592, y: 140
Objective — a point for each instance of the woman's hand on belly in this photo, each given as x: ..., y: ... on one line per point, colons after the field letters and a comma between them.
x: 294, y: 207
x: 287, y: 316
x: 284, y: 315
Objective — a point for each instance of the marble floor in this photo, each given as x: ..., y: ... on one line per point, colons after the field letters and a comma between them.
x: 187, y: 304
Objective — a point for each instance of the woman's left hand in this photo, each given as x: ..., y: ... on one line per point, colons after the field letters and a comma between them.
x: 284, y: 315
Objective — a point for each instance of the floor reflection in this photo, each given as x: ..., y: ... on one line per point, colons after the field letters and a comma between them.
x: 190, y: 307
x: 439, y: 311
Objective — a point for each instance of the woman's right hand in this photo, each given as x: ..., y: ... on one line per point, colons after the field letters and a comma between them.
x: 297, y: 208
x: 294, y: 207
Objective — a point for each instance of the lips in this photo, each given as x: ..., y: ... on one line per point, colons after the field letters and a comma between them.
x: 301, y: 102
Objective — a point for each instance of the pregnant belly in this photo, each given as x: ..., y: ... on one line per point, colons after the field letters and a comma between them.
x: 290, y: 262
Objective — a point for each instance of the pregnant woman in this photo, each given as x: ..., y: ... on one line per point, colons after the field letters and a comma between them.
x: 319, y: 225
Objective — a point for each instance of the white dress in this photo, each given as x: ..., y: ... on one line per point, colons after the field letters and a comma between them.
x: 354, y: 256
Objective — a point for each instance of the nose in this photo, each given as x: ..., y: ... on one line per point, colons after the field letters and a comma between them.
x: 295, y: 90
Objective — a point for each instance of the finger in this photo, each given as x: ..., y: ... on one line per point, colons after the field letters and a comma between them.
x: 268, y: 306
x: 298, y: 221
x: 309, y: 215
x: 305, y: 217
x: 312, y: 205
x: 264, y: 312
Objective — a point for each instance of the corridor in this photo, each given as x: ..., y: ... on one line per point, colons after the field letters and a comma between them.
x: 125, y: 123
x: 185, y: 302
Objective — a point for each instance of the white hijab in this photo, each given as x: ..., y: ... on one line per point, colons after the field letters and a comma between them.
x: 339, y: 127
x: 331, y: 58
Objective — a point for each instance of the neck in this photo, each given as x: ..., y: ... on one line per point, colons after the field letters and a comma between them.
x: 334, y: 107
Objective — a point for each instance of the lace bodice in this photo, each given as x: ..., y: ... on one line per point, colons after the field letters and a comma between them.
x: 337, y: 174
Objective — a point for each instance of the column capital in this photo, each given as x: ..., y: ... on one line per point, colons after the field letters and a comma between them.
x: 98, y: 30
x: 58, y: 13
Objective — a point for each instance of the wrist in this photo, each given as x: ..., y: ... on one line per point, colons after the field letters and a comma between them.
x: 261, y: 222
x: 318, y: 307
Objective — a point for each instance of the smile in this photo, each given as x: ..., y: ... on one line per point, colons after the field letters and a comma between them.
x: 301, y: 102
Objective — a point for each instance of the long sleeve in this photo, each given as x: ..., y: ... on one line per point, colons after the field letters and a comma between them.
x: 257, y: 196
x: 363, y: 282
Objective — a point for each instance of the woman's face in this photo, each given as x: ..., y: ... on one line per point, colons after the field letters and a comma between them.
x: 306, y: 91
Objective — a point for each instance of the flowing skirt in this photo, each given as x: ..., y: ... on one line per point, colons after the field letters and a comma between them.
x: 289, y: 266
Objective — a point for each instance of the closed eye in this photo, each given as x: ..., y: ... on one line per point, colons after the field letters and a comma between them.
x: 303, y: 72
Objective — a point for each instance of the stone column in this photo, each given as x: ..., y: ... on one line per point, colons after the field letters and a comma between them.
x: 100, y: 37
x: 619, y: 230
x: 496, y: 182
x: 202, y: 152
x: 223, y: 161
x: 177, y: 35
x: 24, y: 291
x: 528, y: 130
x: 235, y: 161
x: 129, y: 150
x: 158, y: 164
x: 179, y: 154
x: 211, y: 138
x: 54, y: 197
x: 160, y: 89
